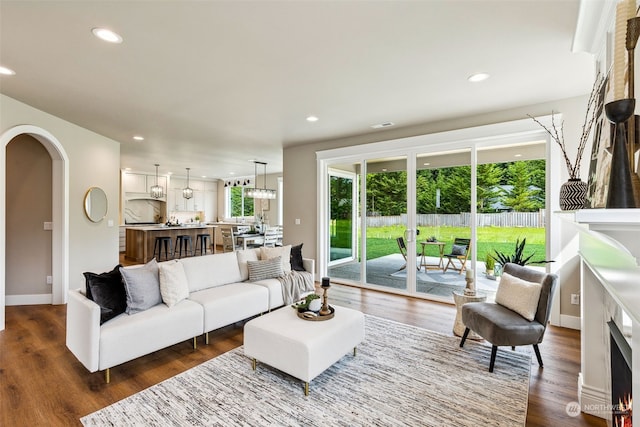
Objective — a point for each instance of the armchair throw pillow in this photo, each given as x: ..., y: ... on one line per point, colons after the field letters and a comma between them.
x: 519, y: 295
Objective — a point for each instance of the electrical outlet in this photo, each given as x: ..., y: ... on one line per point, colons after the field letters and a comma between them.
x: 575, y: 299
x: 49, y: 280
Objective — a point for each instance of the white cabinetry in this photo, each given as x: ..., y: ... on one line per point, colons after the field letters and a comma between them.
x: 139, y: 183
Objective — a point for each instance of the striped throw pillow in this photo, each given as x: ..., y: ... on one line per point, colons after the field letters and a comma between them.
x: 267, y: 269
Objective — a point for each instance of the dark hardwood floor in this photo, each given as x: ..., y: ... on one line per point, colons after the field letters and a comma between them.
x: 42, y: 383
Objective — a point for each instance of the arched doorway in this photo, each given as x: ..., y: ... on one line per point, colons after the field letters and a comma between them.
x: 60, y: 212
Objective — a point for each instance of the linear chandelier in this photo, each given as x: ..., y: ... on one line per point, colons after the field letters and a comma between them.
x: 260, y: 193
x: 156, y: 191
x: 187, y: 192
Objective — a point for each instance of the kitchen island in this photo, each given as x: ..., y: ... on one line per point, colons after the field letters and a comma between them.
x: 140, y: 240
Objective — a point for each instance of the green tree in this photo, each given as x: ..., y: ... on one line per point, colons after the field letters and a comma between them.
x: 387, y: 193
x: 489, y: 176
x: 523, y: 197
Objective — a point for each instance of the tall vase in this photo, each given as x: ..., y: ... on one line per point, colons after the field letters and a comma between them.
x: 620, y: 192
x: 573, y: 194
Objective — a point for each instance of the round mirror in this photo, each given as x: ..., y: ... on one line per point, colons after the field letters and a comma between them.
x: 95, y: 204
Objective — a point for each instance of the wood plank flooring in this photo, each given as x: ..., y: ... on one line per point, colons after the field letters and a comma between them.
x: 42, y: 383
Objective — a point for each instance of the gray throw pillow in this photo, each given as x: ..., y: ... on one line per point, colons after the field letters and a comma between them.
x: 458, y: 250
x: 267, y: 269
x: 142, y: 286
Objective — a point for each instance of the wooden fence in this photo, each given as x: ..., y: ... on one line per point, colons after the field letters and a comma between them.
x: 501, y: 219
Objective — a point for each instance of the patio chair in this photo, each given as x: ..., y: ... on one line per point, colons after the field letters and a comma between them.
x: 517, y: 324
x: 403, y: 250
x: 459, y: 253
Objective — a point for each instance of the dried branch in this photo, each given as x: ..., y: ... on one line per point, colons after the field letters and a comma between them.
x: 573, y: 168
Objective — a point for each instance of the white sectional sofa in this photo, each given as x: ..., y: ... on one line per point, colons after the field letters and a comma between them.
x: 219, y: 295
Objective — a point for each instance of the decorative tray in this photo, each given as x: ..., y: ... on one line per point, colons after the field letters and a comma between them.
x: 313, y: 316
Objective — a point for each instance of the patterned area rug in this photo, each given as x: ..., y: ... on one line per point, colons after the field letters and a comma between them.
x: 401, y: 376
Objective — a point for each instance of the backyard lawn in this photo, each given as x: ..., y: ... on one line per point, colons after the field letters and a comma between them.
x: 381, y: 241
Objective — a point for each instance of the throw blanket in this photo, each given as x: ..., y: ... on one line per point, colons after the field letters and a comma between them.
x: 295, y: 284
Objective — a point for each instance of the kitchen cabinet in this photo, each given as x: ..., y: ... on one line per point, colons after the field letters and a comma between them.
x: 141, y: 183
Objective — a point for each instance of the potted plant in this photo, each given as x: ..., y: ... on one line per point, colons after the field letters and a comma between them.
x: 517, y: 257
x: 489, y: 265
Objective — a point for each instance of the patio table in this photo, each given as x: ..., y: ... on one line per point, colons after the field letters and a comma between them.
x: 440, y: 264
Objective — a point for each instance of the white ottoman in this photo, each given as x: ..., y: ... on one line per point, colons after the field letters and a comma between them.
x: 302, y: 348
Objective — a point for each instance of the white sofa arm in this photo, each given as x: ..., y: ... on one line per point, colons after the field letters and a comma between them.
x: 309, y: 265
x: 83, y: 329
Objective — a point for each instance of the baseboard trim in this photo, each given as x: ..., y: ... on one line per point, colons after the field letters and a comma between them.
x: 571, y: 322
x: 594, y: 401
x: 36, y: 299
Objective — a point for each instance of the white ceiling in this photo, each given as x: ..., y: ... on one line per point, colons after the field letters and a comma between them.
x: 213, y: 84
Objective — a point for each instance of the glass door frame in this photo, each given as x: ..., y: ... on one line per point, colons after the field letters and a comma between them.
x: 354, y: 212
x: 473, y: 138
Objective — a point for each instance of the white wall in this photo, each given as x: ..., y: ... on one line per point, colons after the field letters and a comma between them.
x: 300, y: 185
x: 93, y: 161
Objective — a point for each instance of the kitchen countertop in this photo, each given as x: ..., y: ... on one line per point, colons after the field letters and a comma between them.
x: 165, y: 227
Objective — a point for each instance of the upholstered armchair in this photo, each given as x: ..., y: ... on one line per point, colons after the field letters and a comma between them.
x: 520, y: 314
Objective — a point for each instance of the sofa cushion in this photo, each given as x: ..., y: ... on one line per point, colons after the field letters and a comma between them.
x: 142, y: 286
x: 265, y: 269
x: 296, y: 258
x: 284, y: 252
x: 519, y: 295
x: 107, y: 290
x: 244, y: 256
x: 173, y: 282
x: 211, y: 270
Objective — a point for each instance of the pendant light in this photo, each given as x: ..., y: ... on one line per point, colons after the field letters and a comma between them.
x: 260, y: 193
x: 187, y: 192
x: 157, y: 191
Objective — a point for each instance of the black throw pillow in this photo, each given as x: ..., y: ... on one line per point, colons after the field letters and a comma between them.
x: 107, y: 290
x: 296, y: 258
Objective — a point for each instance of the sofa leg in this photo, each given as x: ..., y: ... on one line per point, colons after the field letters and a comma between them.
x: 107, y: 375
x: 464, y: 336
x: 306, y: 388
x: 494, y: 350
x: 195, y: 343
x: 537, y: 350
x: 206, y: 338
x: 354, y: 351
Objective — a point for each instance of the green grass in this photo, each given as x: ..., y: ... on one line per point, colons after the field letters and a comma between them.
x: 381, y: 241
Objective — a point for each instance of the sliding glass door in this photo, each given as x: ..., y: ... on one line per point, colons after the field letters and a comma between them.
x: 414, y: 219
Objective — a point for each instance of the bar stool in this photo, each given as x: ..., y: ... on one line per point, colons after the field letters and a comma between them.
x: 182, y: 241
x: 157, y: 247
x: 203, y: 240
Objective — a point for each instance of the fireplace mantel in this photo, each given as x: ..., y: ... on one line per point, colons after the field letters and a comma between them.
x: 609, y: 252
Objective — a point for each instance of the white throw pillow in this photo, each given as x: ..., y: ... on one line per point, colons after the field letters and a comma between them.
x: 173, y: 282
x: 519, y: 295
x: 243, y: 257
x: 278, y: 251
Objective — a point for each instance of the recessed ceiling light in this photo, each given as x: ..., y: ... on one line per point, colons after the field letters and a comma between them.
x: 426, y: 164
x: 204, y: 176
x: 517, y: 155
x: 382, y: 125
x: 312, y: 119
x: 106, y: 35
x: 232, y: 173
x: 138, y: 138
x: 384, y: 169
x: 7, y: 71
x: 478, y: 77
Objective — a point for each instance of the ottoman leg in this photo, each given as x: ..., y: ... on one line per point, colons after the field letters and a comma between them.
x: 253, y: 364
x: 306, y: 388
x: 354, y: 351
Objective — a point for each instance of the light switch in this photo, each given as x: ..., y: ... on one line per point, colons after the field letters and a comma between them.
x: 110, y: 223
x: 297, y: 221
x: 48, y: 225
